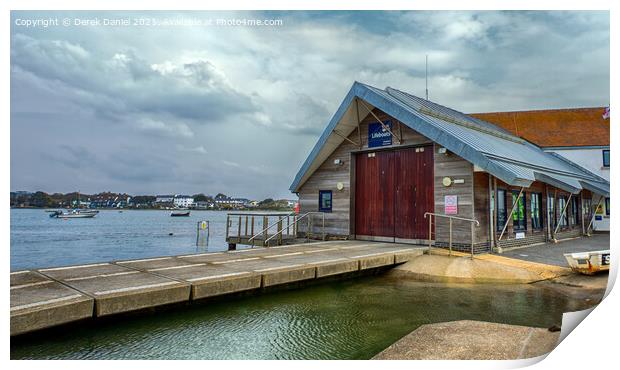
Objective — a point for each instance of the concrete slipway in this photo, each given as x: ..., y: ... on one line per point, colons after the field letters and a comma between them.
x: 53, y: 296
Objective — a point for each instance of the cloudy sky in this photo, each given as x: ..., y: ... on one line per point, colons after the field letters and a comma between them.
x: 236, y: 109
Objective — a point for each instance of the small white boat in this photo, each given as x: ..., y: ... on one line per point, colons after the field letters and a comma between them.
x: 76, y: 213
x: 179, y: 214
x: 589, y: 263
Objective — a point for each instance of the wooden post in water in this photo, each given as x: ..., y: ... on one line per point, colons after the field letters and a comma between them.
x: 253, y: 231
x: 265, y: 231
x: 239, y: 230
x: 279, y: 231
x: 227, y: 225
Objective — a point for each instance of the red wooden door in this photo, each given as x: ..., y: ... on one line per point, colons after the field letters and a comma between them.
x: 425, y: 194
x: 406, y: 170
x: 374, y: 194
x: 393, y: 190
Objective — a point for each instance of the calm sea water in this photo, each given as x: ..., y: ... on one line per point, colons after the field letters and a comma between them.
x: 39, y: 241
x: 353, y: 319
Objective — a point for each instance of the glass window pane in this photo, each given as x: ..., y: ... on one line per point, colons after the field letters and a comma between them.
x: 325, y: 200
x: 606, y: 158
x: 501, y: 209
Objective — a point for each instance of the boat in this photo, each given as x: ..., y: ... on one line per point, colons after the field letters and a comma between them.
x: 76, y: 213
x: 589, y: 263
x: 179, y: 214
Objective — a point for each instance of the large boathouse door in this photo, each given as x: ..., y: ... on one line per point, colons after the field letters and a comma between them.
x: 393, y: 189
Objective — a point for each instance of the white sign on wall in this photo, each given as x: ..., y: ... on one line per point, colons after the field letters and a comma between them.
x: 451, y: 205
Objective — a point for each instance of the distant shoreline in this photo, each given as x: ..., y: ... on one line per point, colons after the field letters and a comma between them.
x: 161, y: 209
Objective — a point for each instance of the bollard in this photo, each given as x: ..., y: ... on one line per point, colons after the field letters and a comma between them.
x: 202, y: 234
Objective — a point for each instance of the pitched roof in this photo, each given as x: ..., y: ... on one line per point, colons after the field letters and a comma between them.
x: 508, y: 157
x: 554, y: 127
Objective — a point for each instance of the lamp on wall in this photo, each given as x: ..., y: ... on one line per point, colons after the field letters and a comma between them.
x: 338, y: 162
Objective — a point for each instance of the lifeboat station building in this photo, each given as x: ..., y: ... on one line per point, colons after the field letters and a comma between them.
x: 393, y: 167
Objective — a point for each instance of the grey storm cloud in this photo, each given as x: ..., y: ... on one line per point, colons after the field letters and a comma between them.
x: 124, y: 84
x: 199, y: 109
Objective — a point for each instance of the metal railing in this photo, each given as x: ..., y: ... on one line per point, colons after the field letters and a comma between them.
x: 246, y: 224
x: 265, y: 231
x: 450, y: 218
x: 309, y: 226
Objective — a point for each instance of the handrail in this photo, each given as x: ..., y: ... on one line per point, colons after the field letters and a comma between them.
x: 454, y: 217
x: 266, y: 241
x: 450, y: 218
x: 272, y: 225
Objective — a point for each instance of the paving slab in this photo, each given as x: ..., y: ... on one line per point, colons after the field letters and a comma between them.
x: 38, y: 302
x: 117, y: 293
x: 216, y: 257
x: 274, y: 271
x: 553, y: 253
x: 27, y: 277
x: 69, y: 273
x: 325, y: 264
x: 208, y: 280
x: 153, y: 264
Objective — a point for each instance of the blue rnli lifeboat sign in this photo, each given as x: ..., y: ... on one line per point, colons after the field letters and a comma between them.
x: 379, y: 136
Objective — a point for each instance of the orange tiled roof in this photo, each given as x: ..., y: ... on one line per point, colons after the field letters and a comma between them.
x: 554, y: 127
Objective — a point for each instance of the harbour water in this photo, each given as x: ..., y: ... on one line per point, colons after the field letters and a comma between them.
x: 351, y: 319
x: 38, y: 241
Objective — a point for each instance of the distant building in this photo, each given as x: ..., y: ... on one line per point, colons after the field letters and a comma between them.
x: 202, y: 204
x: 232, y: 202
x: 183, y: 201
x: 580, y: 135
x: 164, y: 199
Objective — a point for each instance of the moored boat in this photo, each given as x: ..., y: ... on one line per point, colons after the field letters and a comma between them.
x: 589, y: 263
x: 76, y: 213
x: 179, y: 214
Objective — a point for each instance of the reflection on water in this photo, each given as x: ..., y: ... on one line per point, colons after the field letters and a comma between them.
x: 353, y: 319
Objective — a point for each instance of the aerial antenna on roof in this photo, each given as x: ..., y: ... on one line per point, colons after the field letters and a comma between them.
x: 426, y: 76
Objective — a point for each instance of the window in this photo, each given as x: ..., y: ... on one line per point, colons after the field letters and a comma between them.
x: 561, y: 206
x: 574, y: 212
x: 606, y: 158
x: 518, y: 216
x: 551, y: 208
x: 536, y: 211
x: 501, y: 209
x: 587, y: 208
x: 325, y: 200
x: 607, y: 206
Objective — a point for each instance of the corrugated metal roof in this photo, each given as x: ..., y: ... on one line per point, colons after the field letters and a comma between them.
x: 509, y: 158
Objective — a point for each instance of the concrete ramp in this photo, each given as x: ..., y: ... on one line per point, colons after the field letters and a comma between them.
x: 461, y: 269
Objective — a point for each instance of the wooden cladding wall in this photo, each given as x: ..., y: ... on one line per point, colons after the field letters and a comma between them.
x: 456, y: 168
x: 340, y: 222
